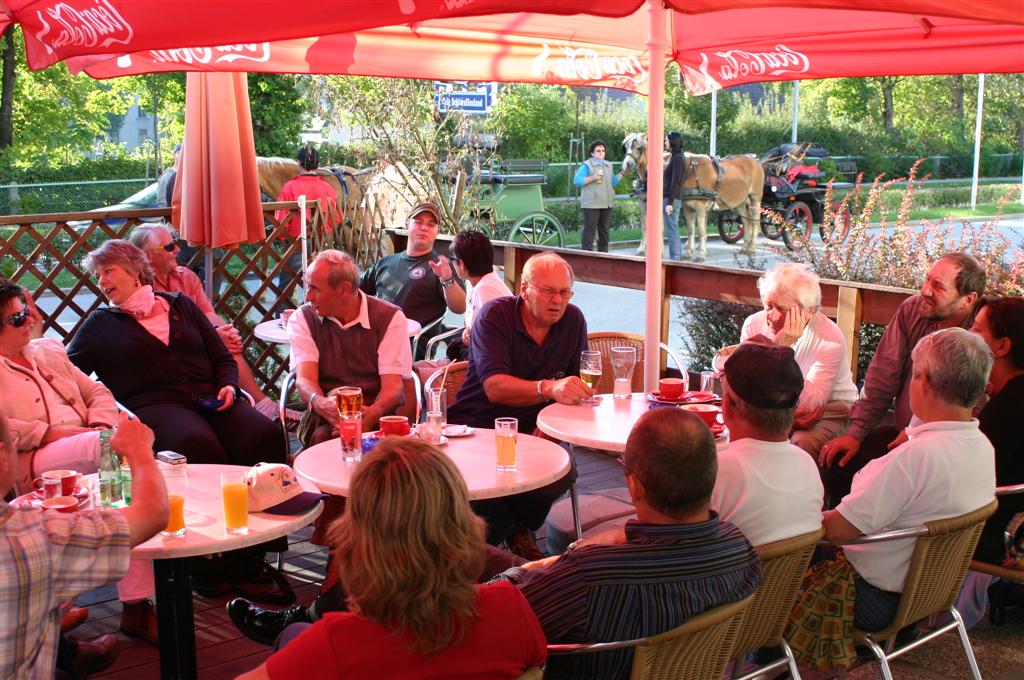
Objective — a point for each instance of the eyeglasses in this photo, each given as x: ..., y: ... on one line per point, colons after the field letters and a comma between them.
x: 16, y: 320
x: 170, y: 246
x: 549, y: 292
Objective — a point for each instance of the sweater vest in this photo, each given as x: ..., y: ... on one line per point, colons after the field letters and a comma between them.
x: 598, y: 194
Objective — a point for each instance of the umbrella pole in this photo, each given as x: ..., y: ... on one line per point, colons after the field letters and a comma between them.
x: 657, y: 49
x: 302, y: 233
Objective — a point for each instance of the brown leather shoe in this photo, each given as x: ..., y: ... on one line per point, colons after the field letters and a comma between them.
x: 73, y: 618
x: 138, y: 620
x: 522, y: 544
x: 94, y: 656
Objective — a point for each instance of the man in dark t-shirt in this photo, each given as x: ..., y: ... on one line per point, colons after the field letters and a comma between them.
x: 418, y: 280
x: 524, y: 354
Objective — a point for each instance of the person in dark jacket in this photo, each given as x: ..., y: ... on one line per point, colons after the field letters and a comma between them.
x: 675, y: 173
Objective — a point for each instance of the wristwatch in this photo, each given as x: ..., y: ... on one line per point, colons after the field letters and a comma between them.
x: 447, y: 282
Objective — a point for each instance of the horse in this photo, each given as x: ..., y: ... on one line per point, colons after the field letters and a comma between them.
x: 731, y: 183
x: 634, y: 150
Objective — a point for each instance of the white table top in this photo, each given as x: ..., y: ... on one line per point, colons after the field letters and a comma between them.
x: 605, y: 426
x: 540, y: 462
x: 204, y: 521
x: 274, y: 331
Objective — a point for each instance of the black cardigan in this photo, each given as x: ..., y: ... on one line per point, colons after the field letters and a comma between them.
x: 140, y: 370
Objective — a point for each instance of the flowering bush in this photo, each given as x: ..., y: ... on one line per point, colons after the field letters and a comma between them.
x: 898, y: 253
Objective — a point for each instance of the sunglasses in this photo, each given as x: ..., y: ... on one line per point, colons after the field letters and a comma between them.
x: 170, y: 246
x: 16, y: 320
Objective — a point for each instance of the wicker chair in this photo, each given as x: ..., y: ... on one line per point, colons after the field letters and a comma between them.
x: 784, y: 563
x: 937, y: 568
x: 997, y: 607
x: 445, y: 337
x: 603, y: 341
x: 454, y: 375
x: 697, y: 649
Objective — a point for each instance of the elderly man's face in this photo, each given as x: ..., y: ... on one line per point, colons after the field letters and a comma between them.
x: 160, y: 258
x: 326, y: 301
x: 940, y: 298
x: 548, y: 294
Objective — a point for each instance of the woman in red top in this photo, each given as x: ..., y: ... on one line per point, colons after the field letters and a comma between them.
x: 409, y: 549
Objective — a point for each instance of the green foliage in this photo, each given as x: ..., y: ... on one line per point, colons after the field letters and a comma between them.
x: 625, y: 214
x: 534, y: 121
x: 710, y: 325
x: 278, y: 108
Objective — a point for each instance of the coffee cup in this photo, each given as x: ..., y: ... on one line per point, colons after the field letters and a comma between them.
x: 61, y: 504
x: 671, y: 388
x: 68, y: 480
x: 706, y: 412
x: 397, y: 425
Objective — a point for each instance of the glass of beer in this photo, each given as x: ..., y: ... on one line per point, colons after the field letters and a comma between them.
x: 235, y: 494
x: 506, y: 431
x: 590, y: 371
x: 349, y: 399
x: 350, y: 430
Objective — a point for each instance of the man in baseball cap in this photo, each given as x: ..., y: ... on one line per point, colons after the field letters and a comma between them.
x: 421, y: 282
x: 766, y: 486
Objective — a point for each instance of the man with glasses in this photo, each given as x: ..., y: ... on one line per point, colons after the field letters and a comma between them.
x: 524, y: 354
x: 160, y: 244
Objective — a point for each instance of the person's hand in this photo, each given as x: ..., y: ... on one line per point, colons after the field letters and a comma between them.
x: 806, y: 418
x: 599, y: 178
x: 55, y: 432
x: 543, y: 563
x: 466, y: 336
x: 901, y: 438
x: 227, y: 393
x: 843, y: 447
x: 610, y: 537
x: 668, y: 209
x: 231, y: 338
x: 571, y: 390
x: 133, y: 438
x: 442, y: 268
x: 797, y: 319
x: 325, y: 408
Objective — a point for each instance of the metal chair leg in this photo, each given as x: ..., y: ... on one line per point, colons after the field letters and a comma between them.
x: 880, y: 655
x: 968, y: 651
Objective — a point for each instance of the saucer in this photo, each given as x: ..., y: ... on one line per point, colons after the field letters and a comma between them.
x: 458, y: 431
x: 80, y: 492
x: 31, y: 500
x: 688, y: 397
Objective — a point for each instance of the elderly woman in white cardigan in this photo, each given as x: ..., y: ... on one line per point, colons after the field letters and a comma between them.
x: 791, y: 296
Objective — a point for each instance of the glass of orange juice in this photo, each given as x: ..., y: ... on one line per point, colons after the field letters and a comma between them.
x: 236, y: 502
x: 506, y: 431
x: 176, y: 479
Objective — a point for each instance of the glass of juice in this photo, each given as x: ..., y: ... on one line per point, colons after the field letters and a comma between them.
x: 590, y: 371
x: 236, y: 502
x: 176, y: 479
x: 506, y: 431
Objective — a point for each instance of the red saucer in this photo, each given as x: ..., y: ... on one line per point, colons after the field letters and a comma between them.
x: 688, y: 397
x: 31, y: 500
x: 80, y: 492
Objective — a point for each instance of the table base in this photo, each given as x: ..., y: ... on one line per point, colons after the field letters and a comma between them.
x: 175, y: 619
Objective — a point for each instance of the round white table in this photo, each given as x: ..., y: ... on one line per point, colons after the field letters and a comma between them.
x: 204, y: 535
x: 274, y: 330
x: 605, y: 426
x: 539, y: 462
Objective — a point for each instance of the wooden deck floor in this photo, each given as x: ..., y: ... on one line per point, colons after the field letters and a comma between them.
x: 223, y: 652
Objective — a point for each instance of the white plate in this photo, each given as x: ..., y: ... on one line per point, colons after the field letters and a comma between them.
x: 458, y: 431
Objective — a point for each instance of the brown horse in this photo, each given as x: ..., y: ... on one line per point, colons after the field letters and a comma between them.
x: 732, y: 183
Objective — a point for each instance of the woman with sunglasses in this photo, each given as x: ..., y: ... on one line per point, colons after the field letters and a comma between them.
x: 163, y: 360
x: 55, y: 410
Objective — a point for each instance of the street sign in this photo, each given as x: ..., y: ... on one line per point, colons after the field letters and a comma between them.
x: 473, y: 98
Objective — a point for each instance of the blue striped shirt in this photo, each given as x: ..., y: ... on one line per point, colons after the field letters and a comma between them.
x: 659, y: 578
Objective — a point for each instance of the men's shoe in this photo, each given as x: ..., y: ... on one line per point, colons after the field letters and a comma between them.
x: 264, y: 584
x: 522, y: 544
x: 209, y: 584
x: 95, y: 656
x: 73, y: 618
x: 138, y: 620
x: 264, y: 625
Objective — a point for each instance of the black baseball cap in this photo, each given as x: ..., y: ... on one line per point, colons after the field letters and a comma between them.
x: 764, y: 374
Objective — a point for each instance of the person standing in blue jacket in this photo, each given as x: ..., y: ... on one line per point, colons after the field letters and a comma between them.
x: 597, y: 183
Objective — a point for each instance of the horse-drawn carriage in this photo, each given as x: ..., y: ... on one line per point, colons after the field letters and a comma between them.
x: 507, y: 201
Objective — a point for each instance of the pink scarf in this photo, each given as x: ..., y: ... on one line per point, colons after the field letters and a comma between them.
x: 142, y: 304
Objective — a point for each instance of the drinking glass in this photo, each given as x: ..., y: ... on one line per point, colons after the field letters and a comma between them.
x: 623, y: 364
x: 349, y: 399
x: 707, y: 381
x: 176, y: 479
x: 430, y: 430
x: 437, y: 402
x: 236, y: 502
x: 506, y: 431
x: 350, y: 429
x: 590, y: 371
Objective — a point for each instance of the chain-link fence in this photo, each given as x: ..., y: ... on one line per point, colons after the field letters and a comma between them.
x: 60, y: 197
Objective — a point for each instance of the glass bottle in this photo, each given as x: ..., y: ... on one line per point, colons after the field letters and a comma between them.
x: 111, y: 489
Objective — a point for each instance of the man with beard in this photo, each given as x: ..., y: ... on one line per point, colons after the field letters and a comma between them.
x: 948, y: 299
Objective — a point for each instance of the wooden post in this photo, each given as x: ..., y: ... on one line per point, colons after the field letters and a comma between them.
x: 849, y: 311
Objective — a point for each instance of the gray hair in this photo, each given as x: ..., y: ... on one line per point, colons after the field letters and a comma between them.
x: 124, y: 254
x: 340, y: 267
x: 769, y: 422
x: 956, y: 363
x: 546, y: 259
x: 795, y: 279
x: 144, y: 235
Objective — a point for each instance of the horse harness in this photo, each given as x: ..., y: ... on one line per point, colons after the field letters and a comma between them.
x: 700, y: 192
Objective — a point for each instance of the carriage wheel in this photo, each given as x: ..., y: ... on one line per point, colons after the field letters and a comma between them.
x: 730, y: 226
x: 841, y: 229
x: 539, y: 228
x: 798, y: 226
x: 770, y: 229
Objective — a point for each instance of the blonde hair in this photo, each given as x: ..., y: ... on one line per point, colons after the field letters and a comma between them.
x: 409, y: 548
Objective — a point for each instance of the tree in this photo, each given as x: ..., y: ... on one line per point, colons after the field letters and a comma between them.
x: 9, y: 62
x: 534, y: 121
x: 279, y: 110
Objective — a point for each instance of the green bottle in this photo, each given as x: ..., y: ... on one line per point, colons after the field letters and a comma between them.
x: 111, y: 488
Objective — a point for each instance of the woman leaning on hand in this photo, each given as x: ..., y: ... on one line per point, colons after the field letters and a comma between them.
x: 160, y: 356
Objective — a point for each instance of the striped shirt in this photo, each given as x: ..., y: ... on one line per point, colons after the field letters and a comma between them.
x: 659, y: 578
x: 45, y: 558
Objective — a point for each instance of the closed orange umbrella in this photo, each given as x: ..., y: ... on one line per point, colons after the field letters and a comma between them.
x: 217, y: 195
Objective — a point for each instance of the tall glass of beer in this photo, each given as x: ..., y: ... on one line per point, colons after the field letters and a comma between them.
x: 590, y: 371
x: 506, y: 431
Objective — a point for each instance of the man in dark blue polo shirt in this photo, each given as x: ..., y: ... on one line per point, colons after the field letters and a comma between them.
x: 524, y: 354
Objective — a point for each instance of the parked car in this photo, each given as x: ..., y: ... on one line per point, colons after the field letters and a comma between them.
x: 144, y: 198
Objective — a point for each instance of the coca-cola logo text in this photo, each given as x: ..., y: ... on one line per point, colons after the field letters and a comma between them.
x: 259, y: 52
x: 584, y: 64
x: 741, y: 64
x: 86, y: 24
